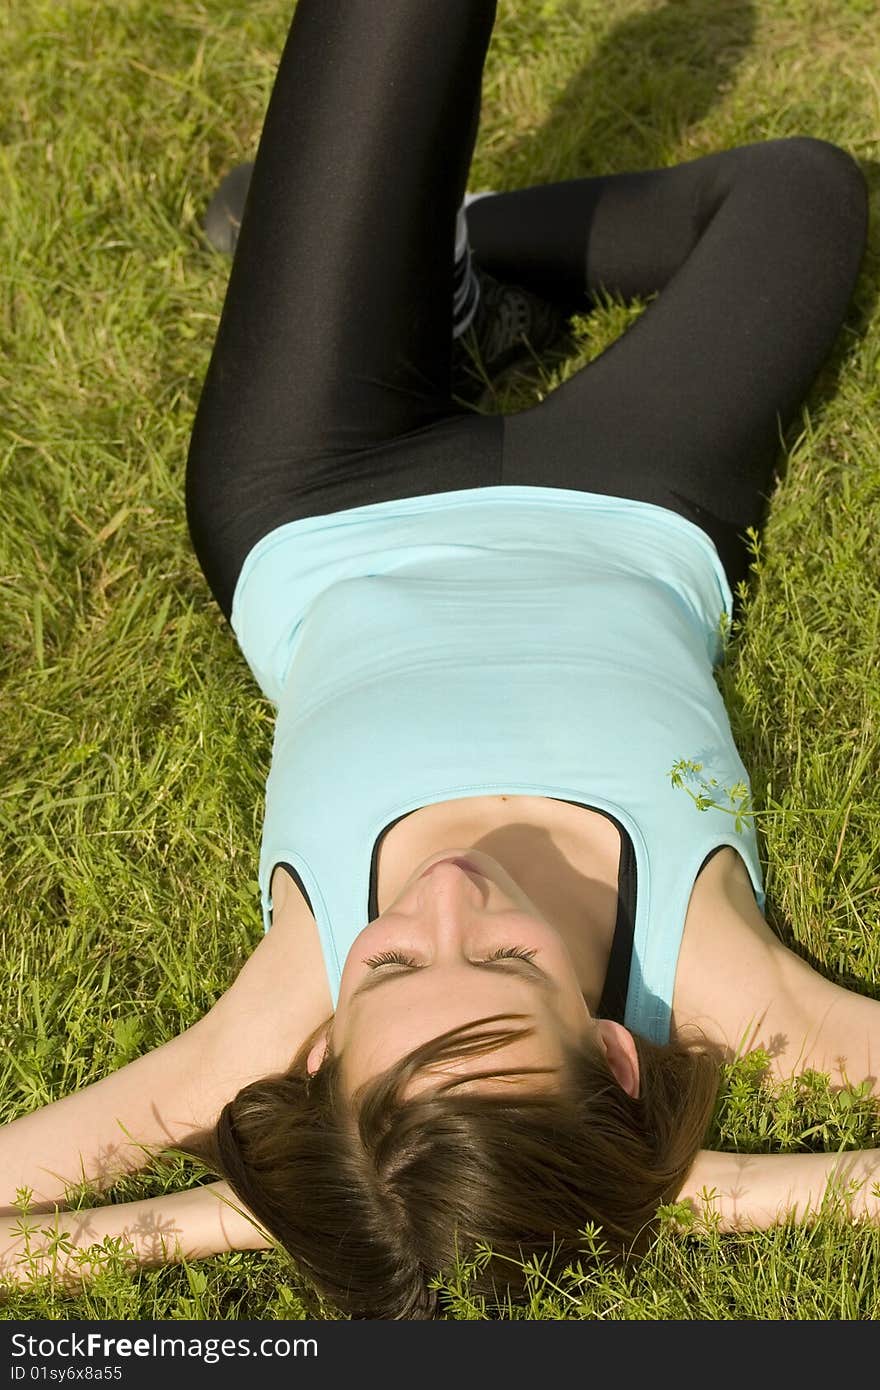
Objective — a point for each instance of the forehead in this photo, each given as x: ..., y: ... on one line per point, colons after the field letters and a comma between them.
x: 532, y: 1058
x: 485, y: 1080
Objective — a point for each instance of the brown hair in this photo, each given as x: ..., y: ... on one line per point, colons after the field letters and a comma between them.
x: 375, y: 1196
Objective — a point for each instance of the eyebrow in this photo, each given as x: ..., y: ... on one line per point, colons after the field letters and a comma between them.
x: 518, y: 969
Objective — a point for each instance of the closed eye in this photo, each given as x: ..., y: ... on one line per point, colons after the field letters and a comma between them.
x: 399, y: 958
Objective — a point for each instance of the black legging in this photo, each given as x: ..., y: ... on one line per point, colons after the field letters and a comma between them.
x: 329, y: 383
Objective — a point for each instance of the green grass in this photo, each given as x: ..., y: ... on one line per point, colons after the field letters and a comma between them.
x: 134, y: 744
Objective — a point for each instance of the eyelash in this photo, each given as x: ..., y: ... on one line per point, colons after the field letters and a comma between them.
x: 398, y: 958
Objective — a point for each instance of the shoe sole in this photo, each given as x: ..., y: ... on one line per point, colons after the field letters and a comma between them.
x: 223, y: 215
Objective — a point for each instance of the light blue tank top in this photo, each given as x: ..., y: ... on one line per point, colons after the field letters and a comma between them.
x: 499, y: 640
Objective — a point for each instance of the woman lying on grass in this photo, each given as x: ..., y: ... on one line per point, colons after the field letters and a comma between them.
x: 505, y: 953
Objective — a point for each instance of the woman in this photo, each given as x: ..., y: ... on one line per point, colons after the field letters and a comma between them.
x: 506, y: 950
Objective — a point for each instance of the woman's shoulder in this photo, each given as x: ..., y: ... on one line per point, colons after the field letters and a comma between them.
x: 736, y: 981
x: 281, y: 994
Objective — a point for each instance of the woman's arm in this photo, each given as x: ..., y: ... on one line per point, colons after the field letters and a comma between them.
x: 745, y: 989
x: 751, y: 1192
x: 171, y: 1097
x: 160, y: 1230
x: 112, y: 1127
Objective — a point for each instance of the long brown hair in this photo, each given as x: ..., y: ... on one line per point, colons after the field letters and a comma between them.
x: 374, y: 1196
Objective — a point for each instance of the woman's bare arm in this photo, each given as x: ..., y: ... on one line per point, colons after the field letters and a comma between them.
x: 739, y: 984
x: 112, y: 1127
x: 173, y: 1095
x: 160, y: 1230
x: 751, y: 1192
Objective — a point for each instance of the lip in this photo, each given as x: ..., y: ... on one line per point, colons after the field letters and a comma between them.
x: 455, y: 859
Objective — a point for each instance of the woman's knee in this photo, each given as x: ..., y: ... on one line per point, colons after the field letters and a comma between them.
x: 827, y: 164
x: 816, y: 174
x: 805, y: 196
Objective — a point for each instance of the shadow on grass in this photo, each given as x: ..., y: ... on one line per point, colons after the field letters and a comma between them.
x: 652, y: 77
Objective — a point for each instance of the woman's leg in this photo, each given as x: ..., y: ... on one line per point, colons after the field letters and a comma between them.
x: 335, y: 339
x: 755, y: 252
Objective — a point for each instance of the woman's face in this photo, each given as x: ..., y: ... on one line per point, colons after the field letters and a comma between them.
x: 458, y: 943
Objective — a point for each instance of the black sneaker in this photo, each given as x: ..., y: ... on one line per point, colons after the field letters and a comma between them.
x: 512, y: 328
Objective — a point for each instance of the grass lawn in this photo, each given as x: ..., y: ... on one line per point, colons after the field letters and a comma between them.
x: 134, y: 744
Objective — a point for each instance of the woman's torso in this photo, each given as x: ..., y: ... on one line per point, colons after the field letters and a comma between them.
x: 554, y: 650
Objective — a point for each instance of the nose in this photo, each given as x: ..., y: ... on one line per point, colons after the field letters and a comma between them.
x: 460, y: 862
x: 455, y: 877
x: 448, y: 893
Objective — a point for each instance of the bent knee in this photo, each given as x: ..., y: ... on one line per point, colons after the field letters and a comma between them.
x: 813, y: 190
x: 826, y: 162
x: 810, y: 168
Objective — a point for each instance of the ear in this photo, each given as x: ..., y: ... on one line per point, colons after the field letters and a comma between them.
x: 318, y: 1051
x: 620, y: 1049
